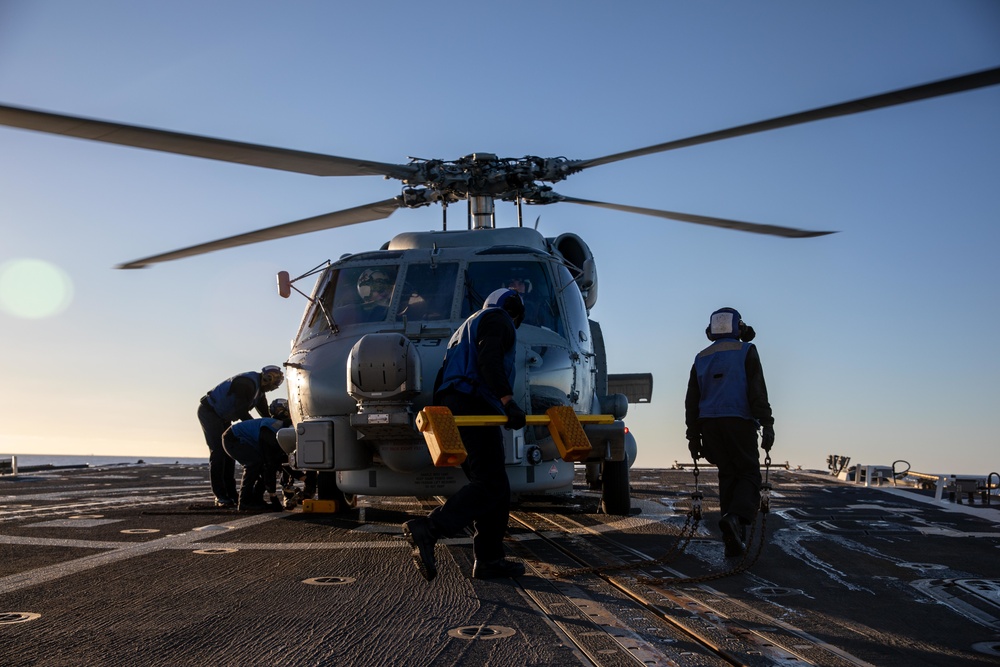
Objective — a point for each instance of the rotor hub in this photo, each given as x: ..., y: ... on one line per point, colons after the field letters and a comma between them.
x: 484, y: 175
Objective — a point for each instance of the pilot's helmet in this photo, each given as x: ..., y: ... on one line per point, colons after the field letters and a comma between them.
x: 518, y: 280
x: 375, y: 286
x: 510, y: 301
x: 271, y: 377
x: 279, y: 409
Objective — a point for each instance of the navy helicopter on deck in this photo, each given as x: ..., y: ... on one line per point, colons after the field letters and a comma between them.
x: 377, y: 323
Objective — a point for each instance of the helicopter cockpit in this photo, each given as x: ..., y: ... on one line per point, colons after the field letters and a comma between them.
x: 395, y: 289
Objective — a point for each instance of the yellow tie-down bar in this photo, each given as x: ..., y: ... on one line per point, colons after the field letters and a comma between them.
x: 440, y: 429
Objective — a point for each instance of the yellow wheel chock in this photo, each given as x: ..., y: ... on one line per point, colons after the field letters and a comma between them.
x: 319, y: 506
x: 440, y: 429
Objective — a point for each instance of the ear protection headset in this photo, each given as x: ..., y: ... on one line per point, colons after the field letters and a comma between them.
x: 742, y: 330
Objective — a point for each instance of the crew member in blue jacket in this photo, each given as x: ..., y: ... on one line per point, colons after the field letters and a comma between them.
x: 254, y: 444
x: 477, y: 378
x: 230, y: 401
x: 726, y: 402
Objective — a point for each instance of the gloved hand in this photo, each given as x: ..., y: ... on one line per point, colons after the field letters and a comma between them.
x: 515, y: 416
x: 767, y: 438
x: 694, y: 446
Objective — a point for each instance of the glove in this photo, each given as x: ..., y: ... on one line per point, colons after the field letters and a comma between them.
x: 694, y: 446
x: 767, y: 438
x: 515, y: 416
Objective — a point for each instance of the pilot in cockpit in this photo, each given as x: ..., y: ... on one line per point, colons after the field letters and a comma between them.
x: 375, y: 288
x: 519, y: 284
x: 366, y: 299
x: 537, y: 305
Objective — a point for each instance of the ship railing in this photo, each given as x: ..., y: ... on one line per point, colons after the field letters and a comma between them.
x: 10, y: 464
x: 956, y: 486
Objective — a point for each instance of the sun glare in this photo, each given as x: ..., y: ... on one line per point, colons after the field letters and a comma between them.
x: 33, y: 288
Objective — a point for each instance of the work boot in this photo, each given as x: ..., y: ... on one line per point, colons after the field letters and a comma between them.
x: 251, y: 502
x: 420, y: 536
x: 495, y: 569
x: 225, y: 503
x: 731, y: 532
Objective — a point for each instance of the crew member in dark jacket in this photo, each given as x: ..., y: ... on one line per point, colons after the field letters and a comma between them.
x: 254, y: 444
x: 477, y: 378
x: 230, y: 401
x: 726, y: 402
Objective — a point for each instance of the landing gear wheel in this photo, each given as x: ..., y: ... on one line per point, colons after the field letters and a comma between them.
x: 327, y: 489
x: 594, y: 476
x: 615, y: 497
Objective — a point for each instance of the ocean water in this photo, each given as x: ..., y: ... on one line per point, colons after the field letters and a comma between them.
x: 55, y: 460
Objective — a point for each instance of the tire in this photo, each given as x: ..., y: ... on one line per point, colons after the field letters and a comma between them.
x: 594, y: 476
x: 615, y: 496
x: 327, y: 489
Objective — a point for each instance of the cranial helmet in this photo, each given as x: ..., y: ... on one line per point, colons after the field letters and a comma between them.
x: 519, y: 280
x: 279, y: 408
x: 510, y: 301
x: 724, y: 323
x: 271, y: 377
x: 372, y: 283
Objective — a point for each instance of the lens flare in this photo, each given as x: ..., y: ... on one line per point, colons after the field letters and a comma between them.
x: 33, y: 288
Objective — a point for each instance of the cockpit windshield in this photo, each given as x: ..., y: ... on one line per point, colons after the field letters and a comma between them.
x: 370, y: 292
x: 529, y: 278
x: 362, y: 294
x: 427, y: 291
x: 353, y: 295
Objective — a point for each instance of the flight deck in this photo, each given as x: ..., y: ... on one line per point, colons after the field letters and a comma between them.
x: 133, y: 565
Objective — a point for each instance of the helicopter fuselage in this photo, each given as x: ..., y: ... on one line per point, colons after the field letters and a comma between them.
x: 373, y: 338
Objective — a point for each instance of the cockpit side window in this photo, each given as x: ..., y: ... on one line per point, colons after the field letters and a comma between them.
x: 427, y: 291
x: 315, y: 321
x: 529, y: 278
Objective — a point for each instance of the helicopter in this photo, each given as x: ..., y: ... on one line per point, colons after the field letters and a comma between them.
x: 377, y: 323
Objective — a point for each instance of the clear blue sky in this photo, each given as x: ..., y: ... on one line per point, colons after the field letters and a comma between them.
x: 877, y: 342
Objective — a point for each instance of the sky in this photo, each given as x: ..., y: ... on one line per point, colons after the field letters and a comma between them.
x: 875, y: 341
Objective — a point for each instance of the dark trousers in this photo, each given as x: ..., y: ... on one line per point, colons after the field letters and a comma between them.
x: 251, y: 457
x: 485, y: 500
x: 731, y: 444
x: 221, y: 468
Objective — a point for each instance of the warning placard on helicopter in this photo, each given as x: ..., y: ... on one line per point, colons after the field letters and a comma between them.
x: 378, y: 418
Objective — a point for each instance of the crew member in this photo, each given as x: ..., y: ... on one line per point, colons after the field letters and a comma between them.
x: 726, y: 402
x: 292, y: 495
x: 477, y: 378
x: 230, y: 401
x: 254, y: 444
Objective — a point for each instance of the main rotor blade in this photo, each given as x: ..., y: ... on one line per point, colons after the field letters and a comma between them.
x: 958, y: 84
x: 351, y: 216
x: 773, y: 230
x: 205, y: 147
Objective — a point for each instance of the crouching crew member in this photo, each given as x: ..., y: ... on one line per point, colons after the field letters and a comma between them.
x: 254, y: 444
x: 230, y: 401
x: 293, y: 496
x: 726, y: 401
x: 477, y: 378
